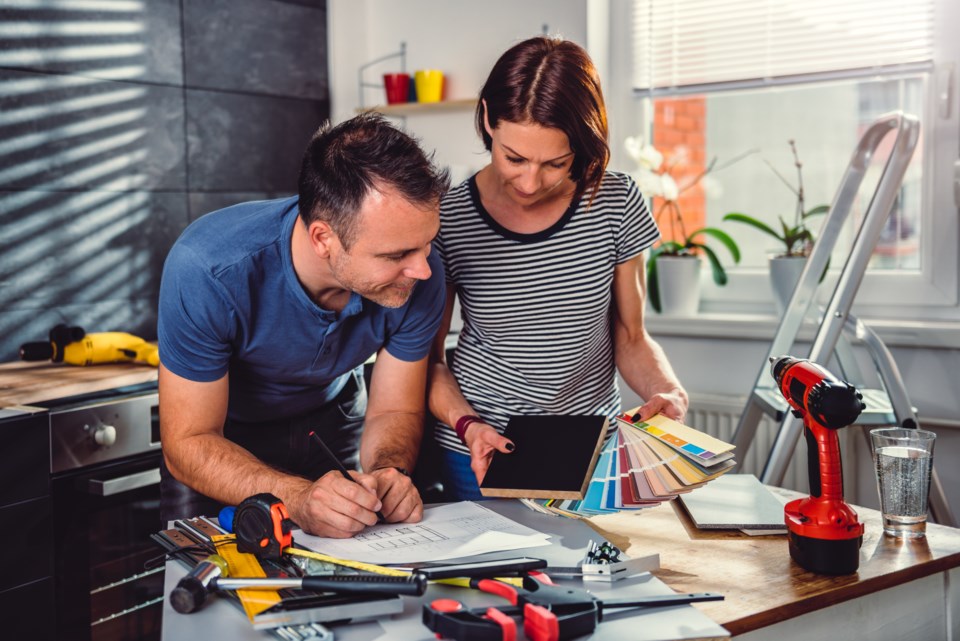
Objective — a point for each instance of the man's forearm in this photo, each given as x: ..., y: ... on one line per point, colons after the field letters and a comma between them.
x: 391, y: 440
x: 224, y: 471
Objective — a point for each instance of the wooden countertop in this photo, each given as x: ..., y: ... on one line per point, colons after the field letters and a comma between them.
x: 23, y: 383
x: 761, y: 582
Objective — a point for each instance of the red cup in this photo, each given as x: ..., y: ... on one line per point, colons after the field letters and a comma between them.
x: 397, y: 86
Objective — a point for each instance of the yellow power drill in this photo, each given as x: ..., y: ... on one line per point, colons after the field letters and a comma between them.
x: 74, y: 346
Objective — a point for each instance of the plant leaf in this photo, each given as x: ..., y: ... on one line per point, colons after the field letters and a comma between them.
x: 668, y: 247
x: 790, y: 236
x: 719, y: 274
x: 723, y: 237
x: 653, y: 285
x: 753, y: 222
x: 819, y: 209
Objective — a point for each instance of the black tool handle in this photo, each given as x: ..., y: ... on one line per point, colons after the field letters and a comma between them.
x: 662, y: 600
x: 483, y: 568
x: 413, y: 584
x: 37, y: 351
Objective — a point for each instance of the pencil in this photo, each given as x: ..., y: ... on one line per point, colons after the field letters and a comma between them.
x: 339, y: 466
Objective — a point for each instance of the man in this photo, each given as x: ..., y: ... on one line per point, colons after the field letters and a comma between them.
x: 268, y: 311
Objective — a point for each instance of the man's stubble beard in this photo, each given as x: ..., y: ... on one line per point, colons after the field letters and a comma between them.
x: 388, y: 296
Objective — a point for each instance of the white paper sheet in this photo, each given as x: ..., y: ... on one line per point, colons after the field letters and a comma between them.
x: 446, y: 532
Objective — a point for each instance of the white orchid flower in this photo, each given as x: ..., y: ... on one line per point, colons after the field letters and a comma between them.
x: 648, y: 183
x: 668, y: 187
x: 646, y: 156
x: 712, y: 188
x: 632, y: 145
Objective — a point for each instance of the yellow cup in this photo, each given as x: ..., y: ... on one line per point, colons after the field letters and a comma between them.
x: 429, y: 83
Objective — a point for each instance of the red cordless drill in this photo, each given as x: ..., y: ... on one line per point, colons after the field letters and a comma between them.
x: 823, y: 531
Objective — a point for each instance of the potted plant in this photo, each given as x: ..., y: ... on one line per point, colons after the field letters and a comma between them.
x: 795, y: 237
x: 673, y: 267
x: 674, y: 287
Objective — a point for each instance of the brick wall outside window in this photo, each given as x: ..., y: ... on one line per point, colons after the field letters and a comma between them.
x: 679, y: 127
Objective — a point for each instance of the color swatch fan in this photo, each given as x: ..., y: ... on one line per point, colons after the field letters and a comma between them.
x: 700, y: 448
x: 649, y: 462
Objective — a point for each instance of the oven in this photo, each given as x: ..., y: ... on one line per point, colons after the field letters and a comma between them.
x: 105, y: 493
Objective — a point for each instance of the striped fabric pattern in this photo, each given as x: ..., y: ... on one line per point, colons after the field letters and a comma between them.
x: 536, y: 308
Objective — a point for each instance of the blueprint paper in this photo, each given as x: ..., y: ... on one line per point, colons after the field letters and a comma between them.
x: 446, y: 532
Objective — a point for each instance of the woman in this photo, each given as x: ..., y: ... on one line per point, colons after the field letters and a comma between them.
x: 543, y: 247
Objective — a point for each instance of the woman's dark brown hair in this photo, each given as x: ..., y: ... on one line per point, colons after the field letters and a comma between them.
x: 551, y: 83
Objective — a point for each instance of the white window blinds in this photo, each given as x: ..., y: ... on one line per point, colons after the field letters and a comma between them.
x: 687, y: 46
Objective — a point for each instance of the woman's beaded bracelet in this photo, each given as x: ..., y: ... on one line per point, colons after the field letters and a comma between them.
x: 463, y: 423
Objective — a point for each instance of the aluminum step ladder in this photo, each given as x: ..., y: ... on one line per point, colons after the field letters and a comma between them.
x: 888, y: 405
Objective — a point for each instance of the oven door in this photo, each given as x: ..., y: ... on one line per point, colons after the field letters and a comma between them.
x: 106, y: 589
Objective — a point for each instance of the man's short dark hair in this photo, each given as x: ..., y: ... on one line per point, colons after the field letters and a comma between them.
x: 344, y: 163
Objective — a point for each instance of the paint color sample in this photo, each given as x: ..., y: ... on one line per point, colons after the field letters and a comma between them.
x: 646, y: 464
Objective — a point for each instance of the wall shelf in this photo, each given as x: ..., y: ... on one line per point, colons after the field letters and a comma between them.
x: 414, y: 108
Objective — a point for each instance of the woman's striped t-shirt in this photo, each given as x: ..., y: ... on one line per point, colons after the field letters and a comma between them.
x: 537, y: 308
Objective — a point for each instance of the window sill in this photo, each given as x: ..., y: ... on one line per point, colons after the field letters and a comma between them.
x: 762, y: 327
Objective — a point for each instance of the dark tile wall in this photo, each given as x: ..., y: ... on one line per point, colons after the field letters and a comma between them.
x: 121, y: 124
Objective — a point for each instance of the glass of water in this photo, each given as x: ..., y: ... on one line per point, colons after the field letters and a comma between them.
x: 904, y: 462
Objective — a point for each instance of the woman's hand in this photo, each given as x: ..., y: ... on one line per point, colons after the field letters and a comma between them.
x: 483, y: 440
x: 671, y: 404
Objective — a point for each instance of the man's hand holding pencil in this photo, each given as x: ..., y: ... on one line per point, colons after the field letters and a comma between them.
x: 335, y: 507
x: 342, y: 502
x: 401, y: 500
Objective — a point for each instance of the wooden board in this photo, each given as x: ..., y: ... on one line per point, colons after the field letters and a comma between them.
x: 23, y: 383
x: 762, y: 585
x: 554, y: 457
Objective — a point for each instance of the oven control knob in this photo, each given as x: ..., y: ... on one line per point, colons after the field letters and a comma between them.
x: 105, y: 435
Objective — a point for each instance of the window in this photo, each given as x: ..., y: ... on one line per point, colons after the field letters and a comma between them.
x: 741, y: 78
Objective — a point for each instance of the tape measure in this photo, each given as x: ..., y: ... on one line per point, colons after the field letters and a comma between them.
x: 356, y: 565
x: 263, y: 526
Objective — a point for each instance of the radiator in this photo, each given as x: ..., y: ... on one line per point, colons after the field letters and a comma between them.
x: 718, y: 416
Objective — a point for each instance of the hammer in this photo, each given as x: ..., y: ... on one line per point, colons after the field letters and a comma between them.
x: 211, y: 574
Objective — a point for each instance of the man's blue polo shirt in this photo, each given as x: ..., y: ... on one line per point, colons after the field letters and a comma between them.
x: 230, y: 302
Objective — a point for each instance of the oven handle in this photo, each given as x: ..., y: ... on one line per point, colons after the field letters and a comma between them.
x: 123, y: 484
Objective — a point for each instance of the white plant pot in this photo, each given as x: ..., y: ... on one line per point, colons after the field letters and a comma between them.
x: 784, y: 275
x: 679, y: 280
